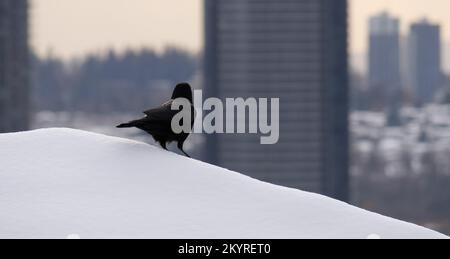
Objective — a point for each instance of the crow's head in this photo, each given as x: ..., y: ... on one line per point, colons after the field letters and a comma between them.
x: 182, y: 90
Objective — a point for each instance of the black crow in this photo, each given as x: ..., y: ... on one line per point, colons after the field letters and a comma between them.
x: 157, y: 121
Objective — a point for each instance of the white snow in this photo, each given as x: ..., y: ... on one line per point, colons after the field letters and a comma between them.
x: 64, y: 183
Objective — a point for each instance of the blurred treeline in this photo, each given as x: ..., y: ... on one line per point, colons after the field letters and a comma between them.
x: 112, y: 82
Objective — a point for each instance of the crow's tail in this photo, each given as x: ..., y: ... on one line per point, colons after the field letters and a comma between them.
x: 126, y: 125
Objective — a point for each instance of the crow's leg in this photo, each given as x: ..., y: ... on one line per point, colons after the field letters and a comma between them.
x: 163, y: 144
x: 180, y: 147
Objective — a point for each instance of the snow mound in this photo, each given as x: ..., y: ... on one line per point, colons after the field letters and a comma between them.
x: 64, y: 183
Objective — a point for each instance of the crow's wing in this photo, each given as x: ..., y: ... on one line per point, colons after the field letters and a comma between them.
x: 164, y: 113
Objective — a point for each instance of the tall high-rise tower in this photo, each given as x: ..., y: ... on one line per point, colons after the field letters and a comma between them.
x: 295, y: 50
x: 384, y: 53
x: 14, y: 67
x: 425, y: 60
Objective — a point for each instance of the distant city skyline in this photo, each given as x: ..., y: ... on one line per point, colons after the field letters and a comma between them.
x: 73, y: 28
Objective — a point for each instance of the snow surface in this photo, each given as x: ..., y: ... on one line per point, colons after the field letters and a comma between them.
x: 64, y: 183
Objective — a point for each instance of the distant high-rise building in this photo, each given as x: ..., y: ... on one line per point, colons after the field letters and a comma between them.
x: 295, y: 51
x: 14, y: 67
x: 384, y: 54
x: 425, y: 60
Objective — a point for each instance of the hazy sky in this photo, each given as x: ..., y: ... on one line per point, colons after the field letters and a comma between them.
x: 72, y: 28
